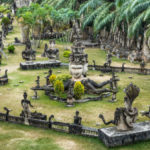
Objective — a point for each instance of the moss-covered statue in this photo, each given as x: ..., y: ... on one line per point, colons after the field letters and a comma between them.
x: 124, y: 117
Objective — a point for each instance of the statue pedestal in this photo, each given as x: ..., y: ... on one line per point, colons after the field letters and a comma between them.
x: 112, y: 138
x: 39, y: 64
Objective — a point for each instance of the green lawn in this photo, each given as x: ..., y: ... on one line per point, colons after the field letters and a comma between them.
x: 17, y: 137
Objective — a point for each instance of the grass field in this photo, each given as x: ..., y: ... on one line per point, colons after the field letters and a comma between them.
x: 19, y: 137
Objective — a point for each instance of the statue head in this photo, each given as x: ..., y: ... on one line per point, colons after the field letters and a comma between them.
x: 76, y: 70
x: 25, y: 95
x: 132, y: 91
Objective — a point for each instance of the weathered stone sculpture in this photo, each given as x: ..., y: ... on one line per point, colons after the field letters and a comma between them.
x: 4, y: 78
x: 28, y: 54
x: 52, y: 53
x: 124, y: 117
x: 17, y: 40
x: 142, y: 66
x: 114, y: 81
x: 26, y: 111
x: 108, y: 60
x: 77, y: 119
x: 78, y: 65
x: 7, y: 112
x: 146, y: 113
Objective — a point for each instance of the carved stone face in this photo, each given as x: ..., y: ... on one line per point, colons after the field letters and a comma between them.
x: 76, y: 70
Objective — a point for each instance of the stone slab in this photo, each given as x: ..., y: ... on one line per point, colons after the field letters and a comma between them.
x: 39, y: 65
x: 112, y: 138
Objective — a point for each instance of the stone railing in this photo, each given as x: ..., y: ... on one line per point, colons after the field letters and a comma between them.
x: 57, y: 126
x: 120, y: 69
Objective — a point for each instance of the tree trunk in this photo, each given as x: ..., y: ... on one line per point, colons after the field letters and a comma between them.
x: 24, y: 32
x: 146, y: 49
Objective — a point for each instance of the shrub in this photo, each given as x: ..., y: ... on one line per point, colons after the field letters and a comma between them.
x: 52, y: 78
x: 67, y: 53
x: 11, y: 49
x: 5, y: 21
x: 64, y: 77
x: 58, y: 87
x: 78, y: 90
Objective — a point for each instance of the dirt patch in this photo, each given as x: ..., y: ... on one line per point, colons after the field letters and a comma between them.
x: 67, y: 144
x: 10, y: 68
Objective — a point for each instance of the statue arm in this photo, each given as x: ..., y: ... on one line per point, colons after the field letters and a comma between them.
x: 99, y: 85
x: 30, y: 104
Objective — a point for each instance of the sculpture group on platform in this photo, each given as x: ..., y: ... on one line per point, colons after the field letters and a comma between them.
x: 78, y: 67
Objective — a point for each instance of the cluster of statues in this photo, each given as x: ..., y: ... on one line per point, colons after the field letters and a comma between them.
x: 124, y: 117
x: 50, y: 52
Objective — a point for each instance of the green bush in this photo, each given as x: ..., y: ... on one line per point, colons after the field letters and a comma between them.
x: 58, y: 87
x: 5, y: 21
x: 64, y: 77
x: 52, y: 79
x: 11, y: 49
x: 67, y: 53
x: 78, y: 90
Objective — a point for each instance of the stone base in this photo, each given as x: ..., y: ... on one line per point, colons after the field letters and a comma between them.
x: 3, y: 81
x: 112, y: 138
x: 39, y: 65
x: 18, y: 44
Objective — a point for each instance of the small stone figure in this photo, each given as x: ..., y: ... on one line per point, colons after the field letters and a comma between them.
x: 70, y: 97
x: 94, y: 64
x: 70, y: 100
x: 142, y: 65
x: 45, y: 50
x: 26, y: 111
x: 4, y: 78
x: 28, y: 54
x: 146, y: 113
x: 113, y: 97
x: 77, y: 119
x: 124, y: 117
x: 123, y: 67
x: 108, y: 60
x: 48, y: 76
x: 17, y: 41
x: 7, y: 112
x: 38, y: 82
x: 113, y: 81
x: 50, y: 121
x: 35, y: 95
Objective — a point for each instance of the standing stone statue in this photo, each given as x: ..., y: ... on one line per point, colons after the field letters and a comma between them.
x: 48, y: 76
x: 124, y: 117
x: 7, y: 112
x: 38, y: 82
x: 142, y: 66
x: 26, y: 111
x: 113, y: 81
x: 77, y: 119
x: 70, y: 97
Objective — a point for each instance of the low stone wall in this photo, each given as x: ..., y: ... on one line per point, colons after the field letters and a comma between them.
x: 57, y: 126
x: 120, y: 69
